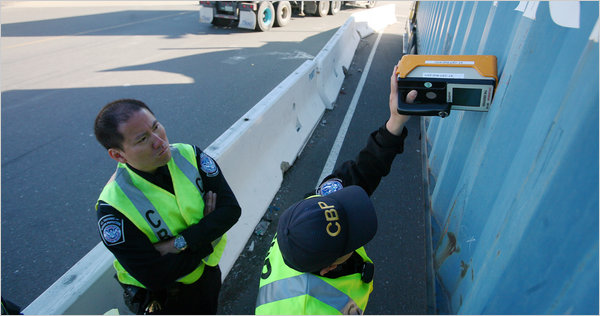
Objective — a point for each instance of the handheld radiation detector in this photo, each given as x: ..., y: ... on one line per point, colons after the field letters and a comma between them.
x: 446, y: 82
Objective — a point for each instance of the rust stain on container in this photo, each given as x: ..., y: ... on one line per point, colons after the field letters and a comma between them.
x: 451, y: 248
x: 464, y: 268
x: 448, y: 250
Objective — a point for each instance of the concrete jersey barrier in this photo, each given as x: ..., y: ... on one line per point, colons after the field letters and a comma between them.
x: 256, y: 150
x: 332, y: 60
x: 261, y: 145
x: 339, y: 51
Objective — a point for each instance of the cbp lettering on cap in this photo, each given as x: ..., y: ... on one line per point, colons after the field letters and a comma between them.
x: 330, y: 215
x: 313, y: 233
x: 317, y: 263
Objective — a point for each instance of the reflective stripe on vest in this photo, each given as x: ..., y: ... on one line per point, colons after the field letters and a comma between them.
x: 283, y: 290
x: 141, y: 203
x: 187, y: 168
x: 307, y: 284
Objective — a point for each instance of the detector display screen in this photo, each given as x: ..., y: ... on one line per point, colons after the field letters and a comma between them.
x: 466, y: 97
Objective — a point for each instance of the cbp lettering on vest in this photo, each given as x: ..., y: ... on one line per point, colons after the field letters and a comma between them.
x: 317, y: 263
x: 163, y: 214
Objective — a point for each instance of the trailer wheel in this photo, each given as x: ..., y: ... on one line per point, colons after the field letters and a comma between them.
x: 335, y: 7
x: 370, y: 4
x: 265, y: 16
x: 283, y: 13
x: 322, y: 8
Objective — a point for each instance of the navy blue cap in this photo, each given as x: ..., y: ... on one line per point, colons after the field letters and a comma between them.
x: 313, y: 233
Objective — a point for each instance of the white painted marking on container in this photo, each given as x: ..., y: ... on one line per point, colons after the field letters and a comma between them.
x: 565, y: 13
x: 595, y: 36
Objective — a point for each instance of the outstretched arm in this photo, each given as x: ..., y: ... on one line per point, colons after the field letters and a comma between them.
x: 375, y: 159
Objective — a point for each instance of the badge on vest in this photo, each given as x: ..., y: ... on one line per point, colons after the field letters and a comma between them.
x: 208, y: 165
x: 111, y: 230
x: 330, y: 186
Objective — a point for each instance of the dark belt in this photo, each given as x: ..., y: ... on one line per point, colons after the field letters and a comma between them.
x: 142, y: 301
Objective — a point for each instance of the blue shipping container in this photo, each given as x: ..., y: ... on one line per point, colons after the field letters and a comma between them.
x: 513, y: 192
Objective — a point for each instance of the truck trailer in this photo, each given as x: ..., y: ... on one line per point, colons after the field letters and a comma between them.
x: 263, y: 15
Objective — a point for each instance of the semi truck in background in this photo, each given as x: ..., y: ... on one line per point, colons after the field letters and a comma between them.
x: 263, y: 15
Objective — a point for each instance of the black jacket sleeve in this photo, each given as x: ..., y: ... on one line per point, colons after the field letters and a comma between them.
x: 226, y: 213
x: 373, y: 162
x: 136, y: 253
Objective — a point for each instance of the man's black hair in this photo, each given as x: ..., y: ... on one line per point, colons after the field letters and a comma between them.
x: 106, y: 126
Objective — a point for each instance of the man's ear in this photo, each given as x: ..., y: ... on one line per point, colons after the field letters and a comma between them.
x: 117, y: 155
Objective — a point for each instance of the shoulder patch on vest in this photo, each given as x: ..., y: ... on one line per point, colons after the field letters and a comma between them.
x: 111, y: 230
x: 330, y: 186
x: 208, y: 165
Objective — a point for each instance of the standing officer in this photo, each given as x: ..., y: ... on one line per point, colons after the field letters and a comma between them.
x: 317, y: 263
x: 163, y: 214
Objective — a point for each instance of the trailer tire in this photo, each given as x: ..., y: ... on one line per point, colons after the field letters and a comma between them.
x: 322, y: 8
x: 370, y: 4
x: 265, y: 16
x: 335, y: 7
x: 283, y: 13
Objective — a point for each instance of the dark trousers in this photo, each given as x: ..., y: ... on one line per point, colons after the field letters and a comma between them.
x: 198, y: 298
x: 10, y: 308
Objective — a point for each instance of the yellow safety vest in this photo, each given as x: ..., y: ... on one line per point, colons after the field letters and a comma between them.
x: 285, y: 291
x: 158, y: 213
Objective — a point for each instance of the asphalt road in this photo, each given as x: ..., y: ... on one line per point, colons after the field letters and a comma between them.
x: 61, y: 61
x: 398, y: 248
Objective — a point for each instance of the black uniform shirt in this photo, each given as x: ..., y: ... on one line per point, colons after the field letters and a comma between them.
x: 136, y: 253
x: 373, y: 162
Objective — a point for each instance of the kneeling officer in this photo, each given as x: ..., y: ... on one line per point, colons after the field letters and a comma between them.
x: 317, y: 263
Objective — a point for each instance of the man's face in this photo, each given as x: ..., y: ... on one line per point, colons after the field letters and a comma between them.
x: 145, y: 144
